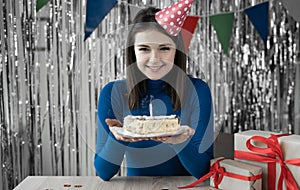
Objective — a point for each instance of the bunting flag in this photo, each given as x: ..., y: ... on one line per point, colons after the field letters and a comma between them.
x: 293, y: 8
x: 40, y: 4
x: 259, y: 16
x: 96, y: 10
x: 222, y: 24
x: 188, y: 29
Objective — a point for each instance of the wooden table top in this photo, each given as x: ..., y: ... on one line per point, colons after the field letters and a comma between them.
x: 116, y: 183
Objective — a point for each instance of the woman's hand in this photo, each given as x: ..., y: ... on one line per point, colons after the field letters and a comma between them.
x: 117, y: 123
x: 176, y: 139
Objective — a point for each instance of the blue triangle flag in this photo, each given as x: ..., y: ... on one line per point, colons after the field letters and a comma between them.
x: 96, y: 10
x: 259, y: 16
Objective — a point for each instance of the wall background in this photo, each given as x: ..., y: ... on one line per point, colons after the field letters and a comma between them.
x: 51, y: 78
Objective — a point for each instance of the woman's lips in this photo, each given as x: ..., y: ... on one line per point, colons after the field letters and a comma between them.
x: 154, y: 68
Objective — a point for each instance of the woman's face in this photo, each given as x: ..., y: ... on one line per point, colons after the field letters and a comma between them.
x: 155, y: 53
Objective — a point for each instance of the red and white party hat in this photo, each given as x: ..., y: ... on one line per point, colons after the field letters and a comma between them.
x: 173, y: 17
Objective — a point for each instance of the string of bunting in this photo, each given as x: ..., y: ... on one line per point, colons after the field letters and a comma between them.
x: 222, y: 22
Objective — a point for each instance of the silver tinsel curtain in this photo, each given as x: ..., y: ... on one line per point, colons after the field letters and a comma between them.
x: 51, y: 78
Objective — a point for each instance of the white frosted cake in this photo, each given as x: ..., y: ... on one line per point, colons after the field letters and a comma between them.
x: 151, y: 124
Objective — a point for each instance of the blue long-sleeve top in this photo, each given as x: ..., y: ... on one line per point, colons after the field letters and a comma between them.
x: 148, y: 157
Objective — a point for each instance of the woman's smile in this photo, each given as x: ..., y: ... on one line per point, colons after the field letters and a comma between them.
x: 154, y: 68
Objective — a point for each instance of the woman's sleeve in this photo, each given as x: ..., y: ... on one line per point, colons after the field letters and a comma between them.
x: 195, y: 155
x: 109, y: 151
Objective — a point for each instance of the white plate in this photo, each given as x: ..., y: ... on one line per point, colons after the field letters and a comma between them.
x: 129, y: 134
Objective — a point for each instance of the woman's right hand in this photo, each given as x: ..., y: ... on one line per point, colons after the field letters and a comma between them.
x: 117, y: 123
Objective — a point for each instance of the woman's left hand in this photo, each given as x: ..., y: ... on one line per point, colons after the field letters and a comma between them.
x: 176, y: 139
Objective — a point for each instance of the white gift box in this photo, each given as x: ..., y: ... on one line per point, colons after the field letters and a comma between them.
x: 290, y: 150
x: 240, y: 168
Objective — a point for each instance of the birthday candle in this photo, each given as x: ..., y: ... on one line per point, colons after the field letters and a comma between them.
x: 150, y: 106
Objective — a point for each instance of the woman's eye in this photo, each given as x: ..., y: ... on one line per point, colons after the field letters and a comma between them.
x: 165, y: 48
x: 143, y: 49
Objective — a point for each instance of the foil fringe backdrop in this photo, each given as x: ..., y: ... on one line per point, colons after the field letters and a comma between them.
x: 50, y: 78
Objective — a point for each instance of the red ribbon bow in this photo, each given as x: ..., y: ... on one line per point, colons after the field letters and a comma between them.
x: 217, y: 173
x: 273, y: 154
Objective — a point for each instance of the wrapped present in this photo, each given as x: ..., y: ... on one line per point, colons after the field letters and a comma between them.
x: 250, y: 176
x: 230, y: 174
x: 277, y: 154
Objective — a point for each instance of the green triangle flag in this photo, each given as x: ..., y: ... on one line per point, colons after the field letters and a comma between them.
x: 40, y: 4
x: 222, y: 24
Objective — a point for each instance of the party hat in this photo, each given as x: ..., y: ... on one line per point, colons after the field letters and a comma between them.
x: 173, y: 17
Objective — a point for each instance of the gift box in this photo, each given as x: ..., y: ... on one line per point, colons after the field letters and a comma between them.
x: 277, y: 154
x: 239, y: 175
x: 228, y: 174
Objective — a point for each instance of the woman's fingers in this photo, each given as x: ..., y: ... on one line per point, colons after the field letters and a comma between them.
x: 121, y: 138
x: 176, y: 139
x: 191, y: 132
x: 160, y: 138
x: 130, y: 139
x: 113, y: 122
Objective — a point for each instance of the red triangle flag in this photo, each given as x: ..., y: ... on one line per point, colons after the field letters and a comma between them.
x: 188, y: 30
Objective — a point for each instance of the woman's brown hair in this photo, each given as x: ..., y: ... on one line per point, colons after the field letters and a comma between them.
x: 174, y: 81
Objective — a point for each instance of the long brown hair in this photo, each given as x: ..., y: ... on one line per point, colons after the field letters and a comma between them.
x: 174, y: 84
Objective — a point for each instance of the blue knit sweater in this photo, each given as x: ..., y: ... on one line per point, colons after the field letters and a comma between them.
x: 148, y: 157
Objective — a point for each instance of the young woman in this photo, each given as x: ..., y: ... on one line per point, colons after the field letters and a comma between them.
x: 156, y: 69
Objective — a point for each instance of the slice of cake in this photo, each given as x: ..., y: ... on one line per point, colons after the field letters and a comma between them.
x: 151, y: 124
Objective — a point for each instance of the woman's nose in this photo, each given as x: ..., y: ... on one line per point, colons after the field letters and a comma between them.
x: 154, y: 57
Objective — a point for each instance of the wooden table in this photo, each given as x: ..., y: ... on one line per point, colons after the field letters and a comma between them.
x: 116, y: 183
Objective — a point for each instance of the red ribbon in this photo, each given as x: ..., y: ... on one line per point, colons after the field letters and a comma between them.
x: 272, y: 154
x: 217, y: 173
